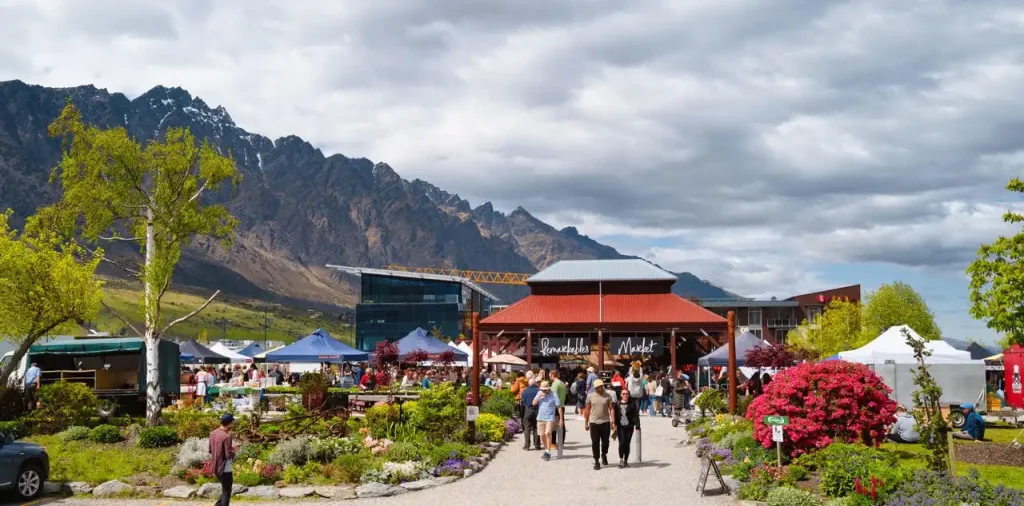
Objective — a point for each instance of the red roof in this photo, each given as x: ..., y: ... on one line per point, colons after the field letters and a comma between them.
x: 646, y: 309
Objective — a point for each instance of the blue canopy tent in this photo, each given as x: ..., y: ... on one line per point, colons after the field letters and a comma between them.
x: 419, y: 340
x: 187, y: 357
x: 720, y: 357
x: 252, y: 350
x: 317, y: 347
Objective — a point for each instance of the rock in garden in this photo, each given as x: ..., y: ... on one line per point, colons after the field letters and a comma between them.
x: 209, y: 490
x: 419, y: 485
x: 466, y: 473
x: 296, y: 492
x: 56, y: 488
x: 444, y: 480
x: 374, y: 490
x: 146, y: 491
x: 335, y: 492
x: 182, y: 492
x: 398, y: 491
x: 732, y: 483
x: 238, y: 489
x: 112, y: 487
x: 79, y: 487
x: 262, y: 492
x: 751, y: 503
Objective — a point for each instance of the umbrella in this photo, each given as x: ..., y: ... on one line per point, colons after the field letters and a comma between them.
x: 505, y: 358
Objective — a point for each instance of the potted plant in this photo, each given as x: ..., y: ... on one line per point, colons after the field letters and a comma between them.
x: 313, y: 386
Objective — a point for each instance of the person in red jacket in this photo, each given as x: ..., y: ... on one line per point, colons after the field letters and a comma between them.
x: 222, y: 451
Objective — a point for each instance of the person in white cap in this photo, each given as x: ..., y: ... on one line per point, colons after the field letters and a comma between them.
x: 591, y: 378
x: 597, y: 418
x: 547, y: 404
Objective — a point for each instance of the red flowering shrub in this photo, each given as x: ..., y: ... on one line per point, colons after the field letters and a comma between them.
x: 446, y: 358
x: 826, y: 401
x: 385, y: 356
x: 774, y: 357
x: 416, y: 356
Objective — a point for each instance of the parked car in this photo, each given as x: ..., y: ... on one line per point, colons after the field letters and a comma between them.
x: 24, y: 467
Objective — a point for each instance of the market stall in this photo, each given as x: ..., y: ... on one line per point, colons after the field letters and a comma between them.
x: 719, y: 358
x: 234, y: 356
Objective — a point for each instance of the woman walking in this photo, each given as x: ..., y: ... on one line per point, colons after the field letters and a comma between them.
x: 652, y: 394
x: 628, y: 420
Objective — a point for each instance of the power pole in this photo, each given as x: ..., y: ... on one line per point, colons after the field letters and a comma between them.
x: 223, y: 322
x: 264, y: 326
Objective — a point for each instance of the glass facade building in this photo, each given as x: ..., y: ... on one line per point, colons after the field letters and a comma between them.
x: 390, y: 307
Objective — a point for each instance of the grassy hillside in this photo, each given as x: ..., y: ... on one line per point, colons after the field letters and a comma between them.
x: 245, y: 317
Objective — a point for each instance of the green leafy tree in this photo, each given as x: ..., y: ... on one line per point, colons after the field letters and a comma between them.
x: 997, y: 279
x: 44, y: 288
x: 118, y: 190
x: 898, y: 304
x: 837, y: 329
x: 927, y: 410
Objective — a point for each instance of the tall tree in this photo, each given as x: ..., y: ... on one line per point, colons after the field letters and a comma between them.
x: 997, y: 279
x: 894, y: 304
x: 44, y: 288
x: 837, y: 329
x: 118, y: 190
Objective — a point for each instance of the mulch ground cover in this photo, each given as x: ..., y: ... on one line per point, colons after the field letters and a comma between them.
x: 990, y: 453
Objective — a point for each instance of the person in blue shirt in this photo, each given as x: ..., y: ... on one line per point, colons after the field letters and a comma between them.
x: 33, y: 377
x: 591, y: 378
x: 548, y: 414
x: 530, y: 415
x: 974, y: 427
x: 426, y: 380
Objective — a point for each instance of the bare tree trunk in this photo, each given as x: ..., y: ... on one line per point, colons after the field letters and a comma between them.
x: 152, y: 338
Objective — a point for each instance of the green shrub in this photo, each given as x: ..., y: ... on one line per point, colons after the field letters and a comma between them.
x: 294, y: 452
x: 295, y: 474
x: 383, y: 420
x: 62, y: 405
x: 745, y: 443
x: 194, y: 452
x: 797, y: 472
x: 193, y: 423
x: 840, y: 465
x: 756, y: 490
x: 76, y: 433
x: 491, y: 427
x: 710, y: 402
x: 721, y: 431
x: 788, y: 496
x: 352, y: 467
x: 728, y: 441
x: 327, y: 449
x: 842, y: 501
x: 501, y: 403
x: 408, y: 408
x: 105, y: 434
x: 15, y: 428
x: 440, y: 412
x: 439, y: 454
x: 401, y: 452
x: 157, y: 437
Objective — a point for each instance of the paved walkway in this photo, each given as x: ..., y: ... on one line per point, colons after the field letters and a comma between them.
x: 515, y: 477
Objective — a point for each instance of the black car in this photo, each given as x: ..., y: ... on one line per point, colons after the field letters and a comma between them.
x: 24, y: 467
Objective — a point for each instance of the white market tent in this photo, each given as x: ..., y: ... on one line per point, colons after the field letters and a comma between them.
x: 892, y: 347
x: 234, y: 356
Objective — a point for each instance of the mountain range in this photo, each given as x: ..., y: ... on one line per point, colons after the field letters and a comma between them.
x: 298, y: 208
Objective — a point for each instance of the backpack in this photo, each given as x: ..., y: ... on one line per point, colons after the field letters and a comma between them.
x: 572, y: 388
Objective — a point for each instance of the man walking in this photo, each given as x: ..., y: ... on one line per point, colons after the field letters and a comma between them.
x: 597, y: 419
x: 591, y: 378
x: 559, y: 389
x: 33, y: 378
x: 222, y: 452
x: 548, y: 411
x: 530, y: 415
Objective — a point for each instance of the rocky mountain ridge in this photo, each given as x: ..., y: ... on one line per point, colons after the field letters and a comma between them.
x: 299, y: 209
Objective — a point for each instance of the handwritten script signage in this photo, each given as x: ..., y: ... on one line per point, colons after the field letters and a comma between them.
x: 551, y: 346
x: 653, y: 346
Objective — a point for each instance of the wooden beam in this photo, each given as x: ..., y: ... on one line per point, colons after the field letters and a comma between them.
x: 529, y: 349
x: 731, y: 337
x: 600, y: 350
x: 672, y: 345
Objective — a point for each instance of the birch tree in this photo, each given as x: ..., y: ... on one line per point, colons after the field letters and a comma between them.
x: 44, y: 288
x: 117, y: 190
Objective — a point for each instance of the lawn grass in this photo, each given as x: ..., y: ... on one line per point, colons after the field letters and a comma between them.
x: 97, y: 463
x: 246, y: 317
x: 913, y: 456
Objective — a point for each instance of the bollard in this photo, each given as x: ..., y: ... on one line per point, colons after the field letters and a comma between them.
x: 639, y: 446
x: 560, y: 432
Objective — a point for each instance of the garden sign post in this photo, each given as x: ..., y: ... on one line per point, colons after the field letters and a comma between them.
x: 777, y: 422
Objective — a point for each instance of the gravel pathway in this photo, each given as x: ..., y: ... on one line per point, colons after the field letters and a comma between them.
x: 515, y: 477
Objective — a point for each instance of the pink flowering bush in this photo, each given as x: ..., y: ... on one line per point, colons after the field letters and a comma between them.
x: 827, y: 401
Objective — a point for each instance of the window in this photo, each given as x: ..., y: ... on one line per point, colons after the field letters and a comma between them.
x: 754, y: 317
x: 813, y: 313
x: 780, y: 335
x: 756, y: 332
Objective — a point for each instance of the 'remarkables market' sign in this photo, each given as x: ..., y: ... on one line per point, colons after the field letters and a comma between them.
x: 551, y: 346
x: 652, y: 346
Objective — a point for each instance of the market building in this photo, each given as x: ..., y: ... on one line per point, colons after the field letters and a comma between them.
x: 391, y: 303
x: 606, y: 307
x: 772, y: 319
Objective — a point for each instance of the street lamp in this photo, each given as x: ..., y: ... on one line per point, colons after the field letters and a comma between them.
x: 223, y: 322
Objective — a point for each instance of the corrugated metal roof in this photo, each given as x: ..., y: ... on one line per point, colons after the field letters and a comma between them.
x: 728, y: 303
x: 357, y: 271
x: 656, y: 308
x: 602, y: 270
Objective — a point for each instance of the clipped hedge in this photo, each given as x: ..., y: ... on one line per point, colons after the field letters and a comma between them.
x: 15, y: 428
x: 158, y: 437
x: 105, y: 434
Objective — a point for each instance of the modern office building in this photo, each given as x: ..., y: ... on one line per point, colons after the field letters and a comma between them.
x: 773, y: 319
x: 394, y: 303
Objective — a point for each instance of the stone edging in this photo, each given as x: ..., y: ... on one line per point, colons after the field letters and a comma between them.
x: 212, y: 490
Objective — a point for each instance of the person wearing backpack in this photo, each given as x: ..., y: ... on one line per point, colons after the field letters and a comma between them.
x: 581, y: 392
x: 666, y: 395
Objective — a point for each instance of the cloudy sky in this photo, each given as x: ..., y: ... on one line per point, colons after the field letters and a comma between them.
x: 770, y: 147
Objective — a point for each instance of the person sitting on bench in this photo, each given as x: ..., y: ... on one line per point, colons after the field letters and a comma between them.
x: 974, y: 426
x: 905, y: 429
